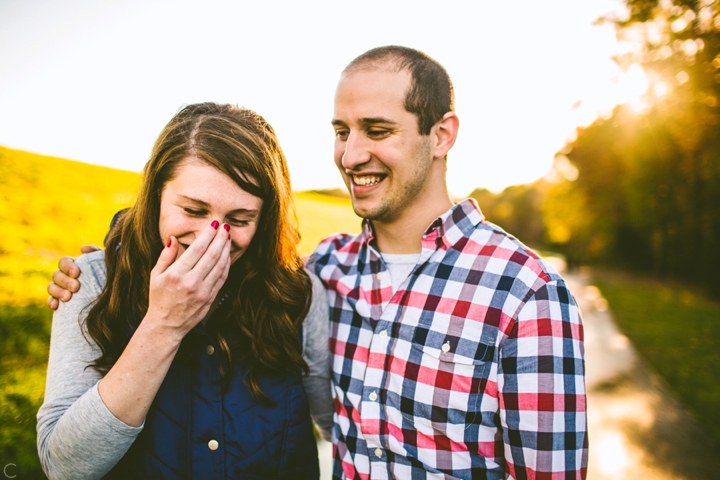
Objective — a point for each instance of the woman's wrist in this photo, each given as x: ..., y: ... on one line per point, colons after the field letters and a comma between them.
x: 161, y: 334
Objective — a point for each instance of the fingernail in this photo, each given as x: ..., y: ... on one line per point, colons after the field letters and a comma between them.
x: 169, y: 242
x: 215, y: 224
x: 229, y: 236
x: 226, y: 227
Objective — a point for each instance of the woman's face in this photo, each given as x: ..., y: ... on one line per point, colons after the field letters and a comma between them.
x: 199, y: 194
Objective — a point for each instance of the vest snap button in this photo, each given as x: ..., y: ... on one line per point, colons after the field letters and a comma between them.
x: 210, y: 349
x: 213, y: 445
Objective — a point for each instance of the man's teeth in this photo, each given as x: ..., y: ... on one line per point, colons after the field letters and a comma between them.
x: 366, y: 180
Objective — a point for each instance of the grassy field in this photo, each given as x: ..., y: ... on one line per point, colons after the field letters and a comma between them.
x: 48, y: 208
x: 321, y: 215
x: 677, y: 331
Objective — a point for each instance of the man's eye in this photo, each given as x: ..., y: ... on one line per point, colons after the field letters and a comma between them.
x: 377, y: 133
x: 194, y: 213
x: 341, y: 134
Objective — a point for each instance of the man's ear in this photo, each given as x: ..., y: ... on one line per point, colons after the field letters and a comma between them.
x: 446, y: 130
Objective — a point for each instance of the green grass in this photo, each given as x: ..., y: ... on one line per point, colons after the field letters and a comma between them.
x: 24, y: 339
x: 677, y: 331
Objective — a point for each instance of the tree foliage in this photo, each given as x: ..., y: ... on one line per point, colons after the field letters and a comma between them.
x: 648, y: 182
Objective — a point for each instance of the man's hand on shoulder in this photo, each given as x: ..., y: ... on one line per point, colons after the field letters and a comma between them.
x: 65, y: 282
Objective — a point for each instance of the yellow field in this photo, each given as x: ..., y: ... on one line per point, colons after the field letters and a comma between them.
x: 50, y: 206
x: 322, y: 215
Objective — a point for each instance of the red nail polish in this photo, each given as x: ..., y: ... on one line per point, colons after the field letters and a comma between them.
x: 169, y: 242
x: 229, y: 236
x: 215, y: 224
x: 226, y: 227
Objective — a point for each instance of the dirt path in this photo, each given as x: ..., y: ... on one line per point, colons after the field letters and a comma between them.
x: 637, y: 429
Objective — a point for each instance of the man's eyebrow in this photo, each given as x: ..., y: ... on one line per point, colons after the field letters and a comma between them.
x: 366, y: 121
x: 252, y: 212
x: 374, y: 120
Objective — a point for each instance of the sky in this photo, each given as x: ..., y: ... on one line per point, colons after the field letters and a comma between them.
x: 97, y: 81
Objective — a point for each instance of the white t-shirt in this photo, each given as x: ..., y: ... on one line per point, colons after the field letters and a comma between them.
x: 400, y: 265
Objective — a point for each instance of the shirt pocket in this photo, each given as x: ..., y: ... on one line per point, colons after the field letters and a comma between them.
x: 445, y: 377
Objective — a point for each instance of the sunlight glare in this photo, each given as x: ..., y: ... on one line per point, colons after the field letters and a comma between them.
x: 631, y: 84
x: 660, y: 89
x: 612, y: 453
x: 682, y: 77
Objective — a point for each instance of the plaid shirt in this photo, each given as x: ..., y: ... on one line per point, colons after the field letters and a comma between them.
x: 472, y: 369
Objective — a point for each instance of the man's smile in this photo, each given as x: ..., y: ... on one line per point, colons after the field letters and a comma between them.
x: 367, y: 180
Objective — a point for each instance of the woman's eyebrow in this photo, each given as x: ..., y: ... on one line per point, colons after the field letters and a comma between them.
x: 195, y: 200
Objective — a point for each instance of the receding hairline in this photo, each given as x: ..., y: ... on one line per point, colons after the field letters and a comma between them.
x: 390, y: 62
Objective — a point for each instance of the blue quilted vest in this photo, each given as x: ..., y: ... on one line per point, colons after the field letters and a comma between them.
x: 195, y: 431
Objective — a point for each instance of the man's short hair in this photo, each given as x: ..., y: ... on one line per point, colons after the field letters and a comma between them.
x: 430, y: 95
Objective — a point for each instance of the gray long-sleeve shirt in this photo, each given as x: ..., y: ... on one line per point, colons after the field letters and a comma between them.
x: 78, y: 437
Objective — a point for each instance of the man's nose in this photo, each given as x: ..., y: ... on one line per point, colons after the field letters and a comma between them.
x: 357, y: 151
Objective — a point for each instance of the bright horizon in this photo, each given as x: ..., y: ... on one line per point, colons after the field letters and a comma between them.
x: 97, y: 81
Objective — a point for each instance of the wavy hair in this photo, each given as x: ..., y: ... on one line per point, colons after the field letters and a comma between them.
x: 268, y: 290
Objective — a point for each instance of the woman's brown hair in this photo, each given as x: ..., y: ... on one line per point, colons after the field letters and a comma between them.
x: 268, y: 291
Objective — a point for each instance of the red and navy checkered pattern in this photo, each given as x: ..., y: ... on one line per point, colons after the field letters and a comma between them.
x: 472, y: 369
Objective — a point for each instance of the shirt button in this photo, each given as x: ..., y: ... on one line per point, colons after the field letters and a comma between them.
x: 446, y: 347
x: 210, y: 349
x: 213, y: 445
x: 383, y: 334
x: 380, y: 276
x: 372, y: 396
x: 378, y: 452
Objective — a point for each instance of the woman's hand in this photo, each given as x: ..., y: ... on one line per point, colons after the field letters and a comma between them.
x: 182, y: 289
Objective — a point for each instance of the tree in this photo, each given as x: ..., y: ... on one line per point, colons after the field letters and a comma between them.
x: 649, y: 176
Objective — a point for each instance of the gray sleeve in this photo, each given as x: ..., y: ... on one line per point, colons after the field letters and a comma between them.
x: 77, y: 436
x: 316, y: 331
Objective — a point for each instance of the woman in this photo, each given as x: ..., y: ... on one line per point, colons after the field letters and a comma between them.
x: 188, y: 361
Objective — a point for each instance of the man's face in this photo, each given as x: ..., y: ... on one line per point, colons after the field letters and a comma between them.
x: 382, y: 157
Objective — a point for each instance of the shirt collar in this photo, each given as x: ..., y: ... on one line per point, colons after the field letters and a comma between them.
x: 446, y: 230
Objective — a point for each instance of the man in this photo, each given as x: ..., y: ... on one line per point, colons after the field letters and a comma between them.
x: 457, y: 351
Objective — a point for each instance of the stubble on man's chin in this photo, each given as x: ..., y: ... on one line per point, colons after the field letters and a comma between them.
x: 380, y: 213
